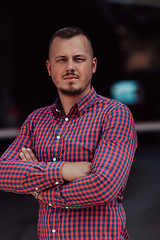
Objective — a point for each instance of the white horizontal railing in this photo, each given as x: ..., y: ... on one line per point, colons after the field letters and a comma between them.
x: 9, y: 133
x: 141, y: 127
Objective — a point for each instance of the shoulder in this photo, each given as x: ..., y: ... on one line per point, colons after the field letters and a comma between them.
x: 41, y: 112
x: 39, y: 115
x: 117, y: 118
x: 108, y: 105
x: 114, y: 112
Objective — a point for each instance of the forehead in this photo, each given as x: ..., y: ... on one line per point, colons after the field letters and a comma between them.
x: 75, y: 45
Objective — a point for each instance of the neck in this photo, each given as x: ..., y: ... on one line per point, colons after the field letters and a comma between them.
x: 69, y: 101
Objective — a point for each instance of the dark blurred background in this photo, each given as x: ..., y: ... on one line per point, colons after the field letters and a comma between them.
x: 126, y: 41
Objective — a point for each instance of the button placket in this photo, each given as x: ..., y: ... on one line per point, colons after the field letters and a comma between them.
x: 59, y: 136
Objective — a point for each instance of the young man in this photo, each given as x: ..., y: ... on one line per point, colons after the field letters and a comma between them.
x: 74, y: 156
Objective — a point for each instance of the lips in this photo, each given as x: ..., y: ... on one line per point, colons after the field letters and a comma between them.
x: 70, y: 77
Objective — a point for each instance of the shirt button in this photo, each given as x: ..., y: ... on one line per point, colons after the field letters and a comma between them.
x: 54, y: 159
x: 50, y: 204
x: 58, y: 137
x: 67, y: 207
x: 53, y: 231
x: 66, y: 119
x: 57, y: 110
x: 36, y: 188
x: 56, y: 183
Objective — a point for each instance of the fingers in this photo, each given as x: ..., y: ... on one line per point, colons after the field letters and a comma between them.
x: 32, y: 155
x: 28, y: 155
x: 22, y: 156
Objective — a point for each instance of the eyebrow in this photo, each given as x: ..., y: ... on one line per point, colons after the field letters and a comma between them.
x: 80, y: 55
x: 77, y: 55
x: 60, y: 56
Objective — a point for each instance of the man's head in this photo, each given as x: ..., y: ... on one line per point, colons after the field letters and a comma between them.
x: 71, y: 63
x: 70, y: 32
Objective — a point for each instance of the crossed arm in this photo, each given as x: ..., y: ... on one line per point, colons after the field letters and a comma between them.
x: 83, y: 187
x: 70, y: 170
x: 110, y: 170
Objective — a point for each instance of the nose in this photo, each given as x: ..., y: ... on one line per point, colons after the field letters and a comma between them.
x: 70, y: 66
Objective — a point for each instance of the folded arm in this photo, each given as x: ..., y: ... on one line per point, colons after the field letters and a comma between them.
x: 21, y: 176
x: 110, y: 167
x: 70, y: 170
x: 21, y: 171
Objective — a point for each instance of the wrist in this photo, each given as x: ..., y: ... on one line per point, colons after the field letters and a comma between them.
x: 36, y: 194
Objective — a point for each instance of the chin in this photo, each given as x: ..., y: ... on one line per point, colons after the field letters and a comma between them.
x: 73, y: 92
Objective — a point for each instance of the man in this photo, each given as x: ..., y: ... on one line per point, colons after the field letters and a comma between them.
x: 74, y: 156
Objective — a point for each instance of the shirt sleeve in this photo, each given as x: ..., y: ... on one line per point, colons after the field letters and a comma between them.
x: 25, y: 177
x: 110, y: 167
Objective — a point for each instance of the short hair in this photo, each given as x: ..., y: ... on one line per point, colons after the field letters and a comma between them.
x: 69, y: 32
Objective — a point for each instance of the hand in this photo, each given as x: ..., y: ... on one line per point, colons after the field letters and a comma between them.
x: 28, y: 155
x: 73, y: 170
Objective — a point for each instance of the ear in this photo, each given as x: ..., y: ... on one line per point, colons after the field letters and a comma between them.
x: 48, y: 65
x: 94, y: 65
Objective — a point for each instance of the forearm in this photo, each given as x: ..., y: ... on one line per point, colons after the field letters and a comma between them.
x: 25, y: 177
x: 110, y: 171
x: 19, y: 176
x: 81, y: 193
x: 31, y: 175
x: 100, y: 187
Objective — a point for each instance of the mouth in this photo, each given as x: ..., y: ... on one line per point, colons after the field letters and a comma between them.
x: 70, y: 77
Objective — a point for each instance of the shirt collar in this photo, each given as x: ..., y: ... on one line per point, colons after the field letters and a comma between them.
x: 87, y: 100
x: 82, y: 104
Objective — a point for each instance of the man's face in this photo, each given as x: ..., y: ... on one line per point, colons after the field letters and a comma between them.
x: 71, y: 65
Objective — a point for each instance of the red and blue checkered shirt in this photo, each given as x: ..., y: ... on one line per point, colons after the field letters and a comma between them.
x: 98, y: 130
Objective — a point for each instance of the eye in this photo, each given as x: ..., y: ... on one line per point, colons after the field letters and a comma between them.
x: 79, y: 59
x: 61, y: 60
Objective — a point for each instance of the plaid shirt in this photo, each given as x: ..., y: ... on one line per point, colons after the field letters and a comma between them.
x: 98, y: 130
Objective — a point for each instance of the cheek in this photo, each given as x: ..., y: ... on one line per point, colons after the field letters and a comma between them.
x: 55, y: 74
x: 88, y: 71
x: 54, y: 77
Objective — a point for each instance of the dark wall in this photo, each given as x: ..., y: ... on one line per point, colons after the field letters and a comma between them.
x: 25, y: 32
